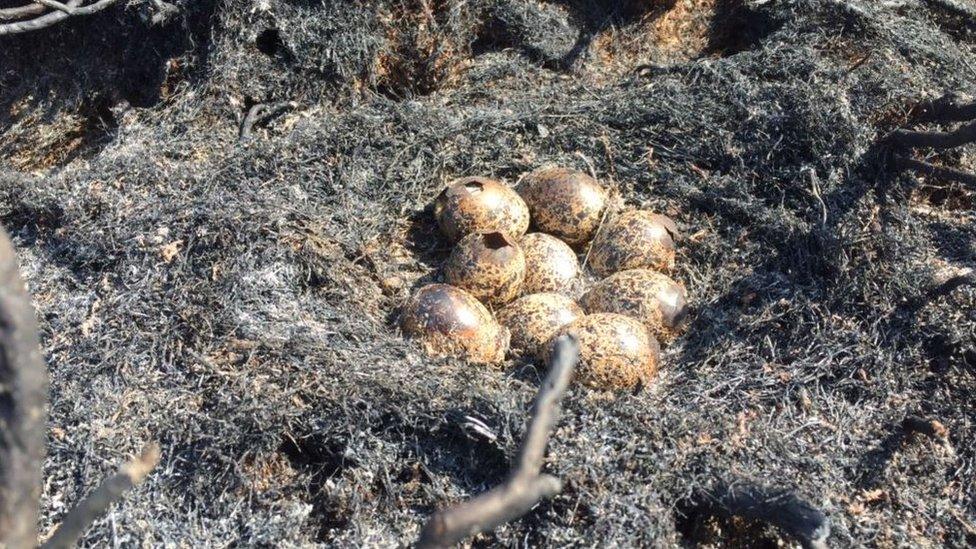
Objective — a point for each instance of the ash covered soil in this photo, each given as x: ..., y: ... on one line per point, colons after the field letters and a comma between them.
x: 236, y: 300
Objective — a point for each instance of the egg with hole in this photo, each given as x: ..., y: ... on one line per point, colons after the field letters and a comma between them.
x: 550, y: 264
x: 635, y: 239
x: 491, y: 266
x: 616, y: 351
x: 534, y: 319
x: 480, y: 205
x: 649, y: 296
x: 564, y: 203
x: 449, y: 321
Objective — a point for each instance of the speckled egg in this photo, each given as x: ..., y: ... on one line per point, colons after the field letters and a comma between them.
x: 449, y: 321
x: 480, y: 205
x: 635, y: 239
x: 550, y: 264
x: 616, y: 351
x: 534, y: 319
x: 564, y: 203
x: 491, y: 266
x: 651, y: 297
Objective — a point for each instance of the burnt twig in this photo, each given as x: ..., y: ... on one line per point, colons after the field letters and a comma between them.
x: 948, y: 108
x: 43, y: 18
x: 525, y: 486
x: 55, y: 5
x: 23, y: 395
x: 10, y: 14
x: 962, y: 135
x: 85, y: 513
x: 263, y: 112
x: 23, y: 399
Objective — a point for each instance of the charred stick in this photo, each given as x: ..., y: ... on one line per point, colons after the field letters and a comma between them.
x: 938, y: 140
x: 94, y: 8
x: 525, y: 486
x: 52, y: 18
x: 545, y: 409
x: 55, y: 5
x: 23, y: 410
x: 262, y: 112
x: 9, y: 14
x: 505, y: 503
x: 23, y: 398
x: 250, y: 120
x: 111, y: 490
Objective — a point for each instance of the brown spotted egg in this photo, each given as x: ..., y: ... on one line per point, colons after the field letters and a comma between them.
x: 635, y: 239
x: 616, y: 351
x: 480, y: 205
x: 450, y: 322
x: 564, y: 203
x: 491, y: 266
x: 534, y: 319
x: 550, y: 264
x: 651, y: 297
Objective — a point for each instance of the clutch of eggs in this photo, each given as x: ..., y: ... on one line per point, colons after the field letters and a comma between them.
x: 529, y: 277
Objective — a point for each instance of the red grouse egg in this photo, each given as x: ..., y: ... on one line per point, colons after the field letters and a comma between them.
x: 616, y: 351
x: 535, y: 319
x: 491, y: 266
x: 480, y: 205
x: 635, y: 239
x: 550, y: 264
x: 651, y: 297
x: 450, y: 322
x: 564, y: 203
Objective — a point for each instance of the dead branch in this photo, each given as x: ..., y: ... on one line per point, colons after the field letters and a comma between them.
x: 55, y: 5
x: 23, y: 413
x: 962, y: 135
x: 21, y: 12
x: 46, y: 18
x: 111, y: 490
x: 525, y: 486
x: 950, y: 107
x: 924, y: 168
